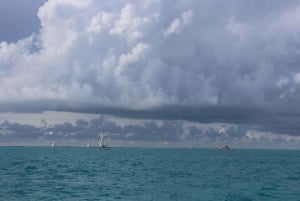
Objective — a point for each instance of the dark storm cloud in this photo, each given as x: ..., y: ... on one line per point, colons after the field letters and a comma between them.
x: 265, y: 119
x: 153, y: 132
x: 205, y: 114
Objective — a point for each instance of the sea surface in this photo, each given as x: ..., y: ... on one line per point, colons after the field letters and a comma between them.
x: 146, y: 174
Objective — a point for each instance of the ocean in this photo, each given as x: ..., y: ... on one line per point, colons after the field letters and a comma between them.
x: 148, y: 174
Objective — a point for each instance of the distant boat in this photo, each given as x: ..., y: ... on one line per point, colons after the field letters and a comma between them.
x: 101, y: 143
x: 88, y: 145
x: 53, y: 144
x: 225, y: 148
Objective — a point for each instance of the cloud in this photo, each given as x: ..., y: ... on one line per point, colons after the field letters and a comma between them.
x: 206, y: 61
x: 178, y: 23
x: 86, y: 130
x: 236, y: 28
x: 141, y: 132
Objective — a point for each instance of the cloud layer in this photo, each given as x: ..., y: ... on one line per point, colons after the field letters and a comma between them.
x: 140, y: 133
x: 238, y: 59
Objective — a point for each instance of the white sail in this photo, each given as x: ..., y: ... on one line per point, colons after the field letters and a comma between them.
x: 53, y: 144
x: 101, y: 143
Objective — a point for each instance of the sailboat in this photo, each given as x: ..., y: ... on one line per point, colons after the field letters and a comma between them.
x: 225, y: 146
x: 101, y: 143
x: 52, y: 144
x: 88, y: 145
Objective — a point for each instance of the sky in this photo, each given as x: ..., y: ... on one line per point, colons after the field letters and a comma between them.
x: 150, y: 73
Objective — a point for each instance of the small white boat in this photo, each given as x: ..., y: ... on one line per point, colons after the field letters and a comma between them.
x: 88, y: 145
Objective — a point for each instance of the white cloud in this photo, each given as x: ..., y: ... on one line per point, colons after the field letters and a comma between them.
x: 297, y: 78
x: 186, y: 17
x: 174, y: 27
x: 130, y: 58
x: 178, y: 23
x: 282, y: 82
x: 236, y: 28
x: 267, y: 136
x: 123, y: 54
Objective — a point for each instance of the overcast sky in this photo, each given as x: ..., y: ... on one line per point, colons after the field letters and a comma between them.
x: 162, y: 64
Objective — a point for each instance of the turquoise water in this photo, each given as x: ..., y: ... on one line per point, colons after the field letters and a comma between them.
x: 148, y: 174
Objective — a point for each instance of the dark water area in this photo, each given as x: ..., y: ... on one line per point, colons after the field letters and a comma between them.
x: 145, y: 174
